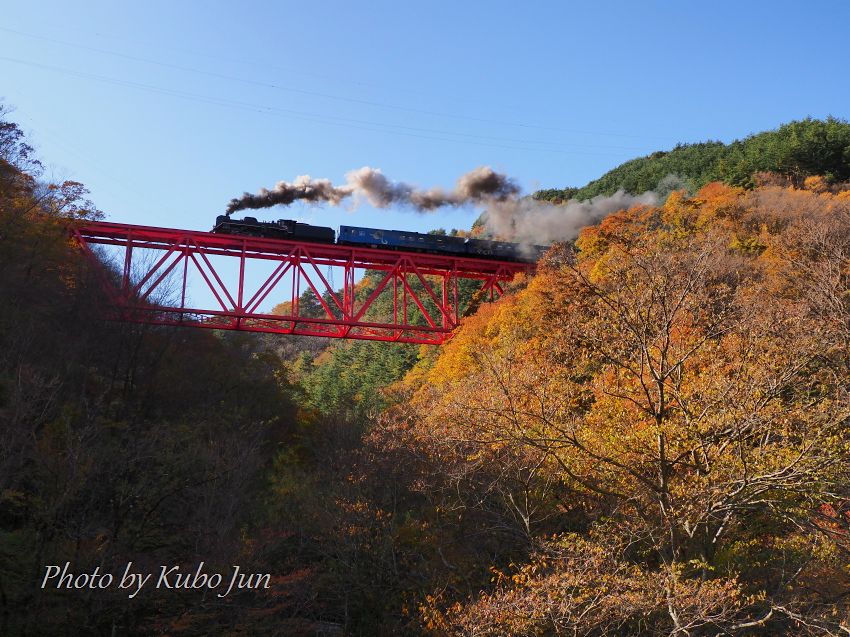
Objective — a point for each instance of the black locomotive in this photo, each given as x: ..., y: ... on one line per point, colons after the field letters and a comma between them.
x: 382, y: 239
x: 280, y: 229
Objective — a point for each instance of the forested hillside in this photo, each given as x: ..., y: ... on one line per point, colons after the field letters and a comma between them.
x: 118, y: 442
x: 660, y: 419
x: 792, y: 152
x: 648, y: 437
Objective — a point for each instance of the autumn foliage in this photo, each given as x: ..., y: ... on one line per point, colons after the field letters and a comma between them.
x: 660, y: 417
x: 647, y: 437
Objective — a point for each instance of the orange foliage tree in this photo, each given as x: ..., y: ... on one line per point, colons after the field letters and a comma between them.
x: 670, y: 400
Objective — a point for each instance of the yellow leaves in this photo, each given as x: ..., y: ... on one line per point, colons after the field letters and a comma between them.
x: 748, y: 245
x: 283, y: 309
x: 679, y: 213
x: 816, y: 183
x: 591, y: 242
x: 497, y: 328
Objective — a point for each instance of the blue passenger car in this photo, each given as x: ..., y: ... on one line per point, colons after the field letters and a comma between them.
x: 401, y: 240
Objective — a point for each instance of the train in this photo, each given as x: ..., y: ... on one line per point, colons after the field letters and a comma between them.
x: 382, y: 239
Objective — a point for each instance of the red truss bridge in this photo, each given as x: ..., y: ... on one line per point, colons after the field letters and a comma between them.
x: 201, y: 279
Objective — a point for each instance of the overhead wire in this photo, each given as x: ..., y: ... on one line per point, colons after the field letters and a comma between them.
x: 324, y: 95
x: 63, y: 143
x: 397, y: 129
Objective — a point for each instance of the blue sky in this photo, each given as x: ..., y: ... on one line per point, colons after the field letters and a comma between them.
x: 166, y: 110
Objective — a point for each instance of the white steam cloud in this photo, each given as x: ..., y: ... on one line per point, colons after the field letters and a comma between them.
x: 527, y: 220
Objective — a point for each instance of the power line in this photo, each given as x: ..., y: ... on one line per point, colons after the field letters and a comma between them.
x: 322, y: 94
x: 307, y: 116
x: 68, y: 147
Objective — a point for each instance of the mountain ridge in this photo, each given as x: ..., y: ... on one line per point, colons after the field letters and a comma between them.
x: 795, y: 150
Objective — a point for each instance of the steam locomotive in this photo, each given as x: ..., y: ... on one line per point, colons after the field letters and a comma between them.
x: 383, y: 239
x: 280, y: 229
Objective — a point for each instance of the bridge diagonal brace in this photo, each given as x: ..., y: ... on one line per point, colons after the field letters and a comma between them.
x: 319, y: 296
x: 328, y: 287
x: 413, y: 296
x: 217, y: 278
x: 268, y: 285
x: 420, y: 283
x: 135, y: 290
x: 447, y: 319
x: 377, y: 291
x: 210, y: 285
x: 141, y: 298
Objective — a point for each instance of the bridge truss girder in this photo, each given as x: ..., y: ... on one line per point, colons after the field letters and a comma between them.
x: 151, y: 269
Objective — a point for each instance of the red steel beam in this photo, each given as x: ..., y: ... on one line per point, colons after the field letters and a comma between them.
x: 155, y: 261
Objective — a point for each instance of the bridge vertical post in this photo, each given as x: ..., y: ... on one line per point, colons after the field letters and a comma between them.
x: 296, y: 283
x: 403, y: 274
x: 456, y: 300
x: 395, y: 299
x: 128, y: 257
x: 348, y: 294
x: 445, y: 296
x: 241, y: 290
x: 186, y: 254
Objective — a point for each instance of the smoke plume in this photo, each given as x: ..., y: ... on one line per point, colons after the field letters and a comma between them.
x: 304, y: 188
x: 477, y: 186
x: 507, y: 215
